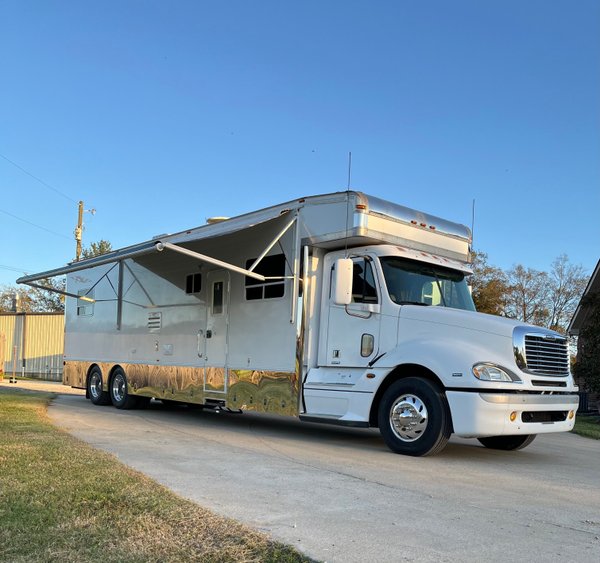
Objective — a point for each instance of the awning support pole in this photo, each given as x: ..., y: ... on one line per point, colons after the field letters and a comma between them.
x: 54, y: 290
x: 203, y: 258
x: 272, y: 244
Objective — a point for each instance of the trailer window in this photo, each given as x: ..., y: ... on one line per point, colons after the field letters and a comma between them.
x: 270, y: 267
x: 193, y: 283
x: 85, y: 308
x: 217, y: 298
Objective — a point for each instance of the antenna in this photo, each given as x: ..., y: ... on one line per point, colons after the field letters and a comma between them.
x: 348, y: 202
x: 349, y: 169
x: 472, y: 222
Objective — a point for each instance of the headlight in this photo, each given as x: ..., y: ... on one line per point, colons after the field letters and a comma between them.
x: 492, y: 372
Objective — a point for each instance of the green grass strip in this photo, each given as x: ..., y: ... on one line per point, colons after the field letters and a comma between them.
x: 588, y: 426
x: 61, y: 500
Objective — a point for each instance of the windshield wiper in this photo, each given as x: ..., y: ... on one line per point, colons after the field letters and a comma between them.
x: 413, y: 303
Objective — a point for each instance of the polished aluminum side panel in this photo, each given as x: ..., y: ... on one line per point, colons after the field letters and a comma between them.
x: 252, y: 390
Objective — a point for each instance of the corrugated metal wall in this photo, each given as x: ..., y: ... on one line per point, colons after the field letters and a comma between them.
x: 34, y: 344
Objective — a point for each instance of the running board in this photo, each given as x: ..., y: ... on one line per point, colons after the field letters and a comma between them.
x: 324, y: 419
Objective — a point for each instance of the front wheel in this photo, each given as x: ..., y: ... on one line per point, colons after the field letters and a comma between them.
x: 119, y: 393
x: 507, y: 443
x: 414, y: 418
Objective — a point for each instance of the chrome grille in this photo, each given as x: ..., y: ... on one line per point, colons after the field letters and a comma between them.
x: 546, y: 355
x: 540, y: 351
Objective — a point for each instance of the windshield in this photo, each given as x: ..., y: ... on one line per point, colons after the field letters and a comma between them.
x: 417, y: 283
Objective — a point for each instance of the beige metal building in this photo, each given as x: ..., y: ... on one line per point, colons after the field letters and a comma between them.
x: 33, y: 344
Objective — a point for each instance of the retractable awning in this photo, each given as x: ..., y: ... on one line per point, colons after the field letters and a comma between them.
x: 173, y: 243
x: 129, y: 252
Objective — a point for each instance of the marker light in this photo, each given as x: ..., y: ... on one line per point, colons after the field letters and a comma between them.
x: 513, y: 416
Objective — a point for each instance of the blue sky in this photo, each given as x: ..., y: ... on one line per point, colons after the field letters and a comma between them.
x: 161, y: 114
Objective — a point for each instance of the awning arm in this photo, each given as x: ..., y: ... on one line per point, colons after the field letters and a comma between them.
x: 272, y: 244
x: 54, y: 290
x: 160, y: 246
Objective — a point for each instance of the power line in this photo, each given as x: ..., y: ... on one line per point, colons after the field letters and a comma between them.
x: 34, y: 225
x: 56, y: 190
x: 13, y: 269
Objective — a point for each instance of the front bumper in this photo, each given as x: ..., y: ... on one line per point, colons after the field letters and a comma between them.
x: 478, y: 415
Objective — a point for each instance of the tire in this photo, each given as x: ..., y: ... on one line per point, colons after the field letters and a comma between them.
x: 507, y: 443
x: 426, y: 423
x: 94, y: 388
x: 119, y: 393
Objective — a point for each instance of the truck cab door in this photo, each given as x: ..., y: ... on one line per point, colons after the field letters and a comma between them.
x: 352, y: 334
x: 216, y: 335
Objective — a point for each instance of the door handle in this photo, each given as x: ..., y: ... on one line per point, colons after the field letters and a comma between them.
x: 209, y: 334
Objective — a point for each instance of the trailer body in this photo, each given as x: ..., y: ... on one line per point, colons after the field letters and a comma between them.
x: 340, y: 308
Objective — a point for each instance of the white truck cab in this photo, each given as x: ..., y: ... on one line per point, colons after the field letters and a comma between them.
x: 404, y: 348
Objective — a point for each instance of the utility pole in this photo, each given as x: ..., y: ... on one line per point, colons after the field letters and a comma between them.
x: 78, y: 231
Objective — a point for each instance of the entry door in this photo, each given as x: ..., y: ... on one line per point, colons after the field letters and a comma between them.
x: 353, y: 330
x: 216, y: 333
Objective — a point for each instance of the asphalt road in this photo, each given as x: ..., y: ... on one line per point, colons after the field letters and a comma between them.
x: 339, y: 495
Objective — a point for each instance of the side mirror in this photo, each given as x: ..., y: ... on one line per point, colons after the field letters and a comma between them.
x: 342, y: 281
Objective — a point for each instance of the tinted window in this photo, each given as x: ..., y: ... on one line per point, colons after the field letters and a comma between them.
x: 270, y: 267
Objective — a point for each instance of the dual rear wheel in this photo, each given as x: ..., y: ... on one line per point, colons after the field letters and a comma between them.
x: 117, y: 393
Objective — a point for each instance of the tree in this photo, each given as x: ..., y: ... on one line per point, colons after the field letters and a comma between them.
x: 567, y: 284
x: 587, y: 366
x: 96, y: 249
x: 33, y: 299
x: 527, y: 298
x: 526, y: 294
x: 489, y: 285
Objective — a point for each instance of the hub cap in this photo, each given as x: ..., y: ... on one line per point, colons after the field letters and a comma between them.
x: 408, y: 418
x: 118, y: 387
x: 95, y: 385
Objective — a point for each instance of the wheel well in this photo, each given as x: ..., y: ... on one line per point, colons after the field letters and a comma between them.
x: 400, y: 372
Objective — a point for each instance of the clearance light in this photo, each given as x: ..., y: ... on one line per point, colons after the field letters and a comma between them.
x: 361, y: 206
x: 513, y: 416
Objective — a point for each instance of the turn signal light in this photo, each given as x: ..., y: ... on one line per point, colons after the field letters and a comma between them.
x: 571, y: 415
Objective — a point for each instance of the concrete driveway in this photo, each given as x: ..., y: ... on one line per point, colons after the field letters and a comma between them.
x: 339, y: 495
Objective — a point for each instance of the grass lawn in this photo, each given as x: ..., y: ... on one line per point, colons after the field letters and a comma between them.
x: 61, y: 500
x: 587, y: 425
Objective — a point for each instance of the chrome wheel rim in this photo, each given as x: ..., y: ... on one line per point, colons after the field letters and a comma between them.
x: 118, y: 387
x: 408, y: 418
x: 95, y: 385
